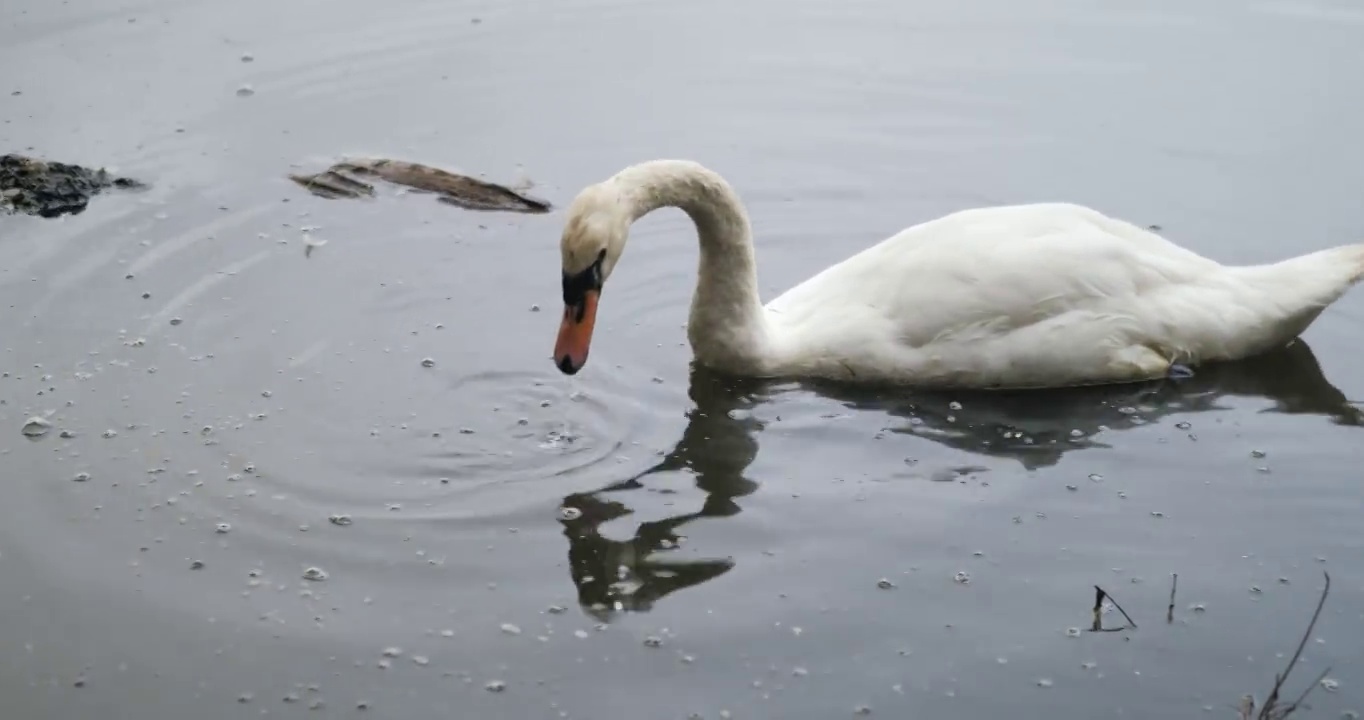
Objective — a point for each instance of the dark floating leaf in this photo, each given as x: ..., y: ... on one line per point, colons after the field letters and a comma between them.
x: 340, y: 181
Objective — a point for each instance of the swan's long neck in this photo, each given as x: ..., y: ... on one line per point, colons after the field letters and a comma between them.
x: 728, y: 326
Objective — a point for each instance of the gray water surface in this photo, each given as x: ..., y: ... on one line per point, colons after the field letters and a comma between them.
x: 667, y: 542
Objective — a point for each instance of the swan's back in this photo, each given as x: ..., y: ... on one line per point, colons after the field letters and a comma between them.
x: 993, y: 290
x: 1009, y: 264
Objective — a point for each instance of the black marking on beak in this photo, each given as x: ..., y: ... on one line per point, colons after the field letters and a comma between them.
x: 566, y: 366
x: 577, y: 285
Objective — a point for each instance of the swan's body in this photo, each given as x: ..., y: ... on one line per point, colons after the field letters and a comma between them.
x: 1014, y: 296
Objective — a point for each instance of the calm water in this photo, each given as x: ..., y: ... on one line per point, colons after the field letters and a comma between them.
x: 666, y: 542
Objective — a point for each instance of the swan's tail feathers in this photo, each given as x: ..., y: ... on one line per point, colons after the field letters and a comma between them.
x: 1319, y: 277
x: 1285, y: 297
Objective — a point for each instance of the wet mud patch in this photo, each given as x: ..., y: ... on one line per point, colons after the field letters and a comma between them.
x: 343, y: 180
x: 51, y: 189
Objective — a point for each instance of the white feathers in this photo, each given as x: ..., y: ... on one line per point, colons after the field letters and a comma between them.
x: 1012, y: 296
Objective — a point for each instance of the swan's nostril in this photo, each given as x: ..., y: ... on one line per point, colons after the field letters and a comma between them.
x: 566, y: 366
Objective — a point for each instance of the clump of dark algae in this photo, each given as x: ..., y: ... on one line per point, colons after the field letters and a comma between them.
x: 342, y: 180
x: 51, y: 189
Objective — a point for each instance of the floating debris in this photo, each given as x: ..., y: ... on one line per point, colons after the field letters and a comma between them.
x: 340, y: 519
x: 450, y: 188
x: 36, y: 427
x: 52, y: 189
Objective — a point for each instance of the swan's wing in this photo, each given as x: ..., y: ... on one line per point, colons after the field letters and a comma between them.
x: 986, y: 271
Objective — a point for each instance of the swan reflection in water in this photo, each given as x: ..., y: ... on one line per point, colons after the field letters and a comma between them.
x: 1034, y: 427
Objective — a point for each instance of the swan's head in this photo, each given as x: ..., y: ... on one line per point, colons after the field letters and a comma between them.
x: 594, y: 237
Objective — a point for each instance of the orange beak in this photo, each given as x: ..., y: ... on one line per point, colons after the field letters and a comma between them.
x: 575, y: 334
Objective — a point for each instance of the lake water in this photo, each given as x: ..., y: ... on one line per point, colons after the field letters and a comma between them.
x: 643, y: 540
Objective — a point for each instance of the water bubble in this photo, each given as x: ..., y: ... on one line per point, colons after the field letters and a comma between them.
x: 653, y: 641
x: 1257, y: 453
x: 36, y: 427
x: 110, y: 433
x: 496, y: 686
x: 81, y: 477
x: 885, y: 584
x: 392, y: 652
x: 421, y: 660
x: 428, y: 362
x: 176, y: 321
x: 962, y: 578
x: 315, y: 574
x: 1183, y: 425
x: 1073, y: 632
x: 1330, y: 684
x: 862, y: 710
x: 1072, y: 488
x: 197, y: 565
x: 1044, y: 682
x: 248, y: 57
x: 570, y: 513
x: 246, y: 697
x: 340, y: 519
x: 246, y: 91
x: 510, y: 629
x: 556, y: 609
x: 223, y: 528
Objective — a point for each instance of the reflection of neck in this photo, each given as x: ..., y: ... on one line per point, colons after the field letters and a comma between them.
x: 728, y: 325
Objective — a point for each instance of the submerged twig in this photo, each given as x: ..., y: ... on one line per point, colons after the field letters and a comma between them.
x: 1170, y: 611
x: 1272, y: 710
x: 1099, y: 595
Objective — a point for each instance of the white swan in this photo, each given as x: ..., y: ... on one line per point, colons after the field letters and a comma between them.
x: 1040, y: 295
